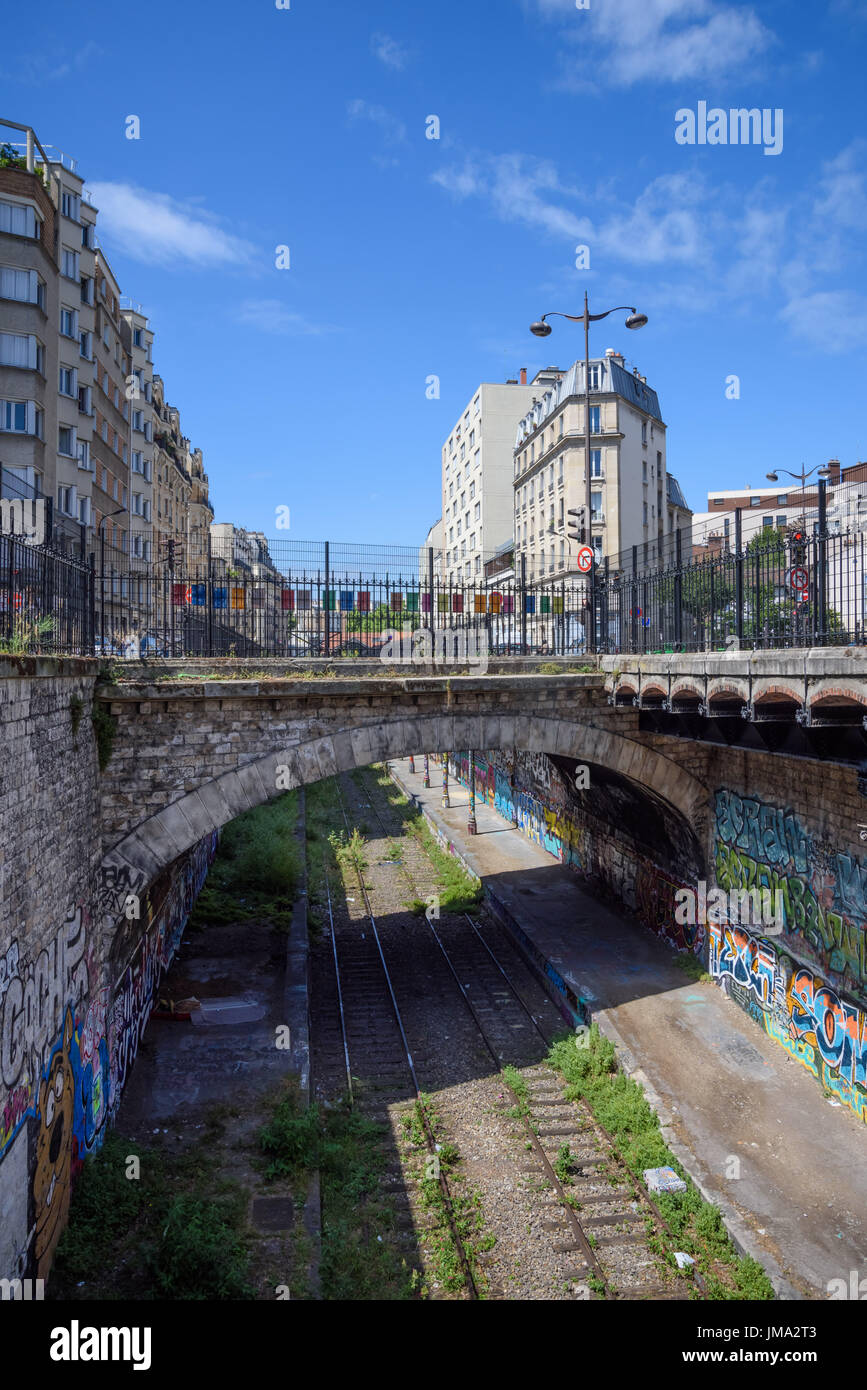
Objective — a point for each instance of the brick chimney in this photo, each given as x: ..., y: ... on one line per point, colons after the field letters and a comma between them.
x: 523, y: 375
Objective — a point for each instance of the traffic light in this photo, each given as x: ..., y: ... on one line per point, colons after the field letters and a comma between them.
x: 578, y: 528
x: 798, y: 551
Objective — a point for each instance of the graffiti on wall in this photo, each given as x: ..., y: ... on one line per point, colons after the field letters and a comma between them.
x: 69, y: 1034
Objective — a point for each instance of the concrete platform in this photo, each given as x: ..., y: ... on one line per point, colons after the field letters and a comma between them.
x: 722, y: 1088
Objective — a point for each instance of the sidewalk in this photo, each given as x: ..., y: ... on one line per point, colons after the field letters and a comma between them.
x: 720, y: 1086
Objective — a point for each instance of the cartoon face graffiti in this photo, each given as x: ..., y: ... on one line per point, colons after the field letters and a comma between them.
x: 53, y: 1152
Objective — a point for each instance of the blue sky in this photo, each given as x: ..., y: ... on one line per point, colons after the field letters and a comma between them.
x: 410, y: 257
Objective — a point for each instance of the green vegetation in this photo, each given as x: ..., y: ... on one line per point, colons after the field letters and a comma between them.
x: 692, y: 966
x: 257, y: 868
x: 457, y: 891
x: 104, y: 730
x: 460, y: 1214
x: 621, y: 1106
x: 177, y: 1231
x: 76, y: 709
x: 27, y: 635
x: 348, y: 849
x: 551, y: 668
x: 359, y: 1259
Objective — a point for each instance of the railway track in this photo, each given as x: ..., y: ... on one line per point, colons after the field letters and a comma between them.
x: 388, y: 979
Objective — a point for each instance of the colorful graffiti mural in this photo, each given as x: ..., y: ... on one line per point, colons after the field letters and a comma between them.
x: 67, y: 1043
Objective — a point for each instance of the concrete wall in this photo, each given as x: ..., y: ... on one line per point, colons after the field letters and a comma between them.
x: 75, y: 996
x: 789, y: 826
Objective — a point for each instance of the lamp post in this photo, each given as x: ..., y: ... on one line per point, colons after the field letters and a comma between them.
x: 101, y: 533
x: 446, y: 802
x: 471, y: 823
x: 411, y: 763
x: 426, y: 782
x: 541, y: 328
x: 824, y: 472
x: 820, y: 588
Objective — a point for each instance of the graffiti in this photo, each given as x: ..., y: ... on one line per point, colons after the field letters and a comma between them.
x: 67, y: 1042
x: 748, y: 961
x: 837, y: 1029
x: 116, y: 883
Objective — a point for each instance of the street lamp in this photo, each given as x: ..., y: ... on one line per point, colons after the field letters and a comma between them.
x: 541, y: 329
x: 824, y: 472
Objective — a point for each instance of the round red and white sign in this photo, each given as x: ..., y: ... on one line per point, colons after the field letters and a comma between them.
x: 584, y: 559
x: 799, y: 578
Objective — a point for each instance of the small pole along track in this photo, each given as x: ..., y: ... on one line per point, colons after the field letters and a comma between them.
x: 579, y: 1233
x: 430, y: 1138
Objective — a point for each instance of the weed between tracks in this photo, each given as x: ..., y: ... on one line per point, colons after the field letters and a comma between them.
x: 461, y: 1214
x: 621, y: 1107
x: 457, y: 892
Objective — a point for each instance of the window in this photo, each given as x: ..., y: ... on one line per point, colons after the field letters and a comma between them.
x: 138, y: 337
x: 70, y: 206
x: 84, y: 510
x: 84, y: 400
x: 138, y: 420
x: 781, y: 521
x: 644, y: 470
x: 463, y: 451
x: 68, y: 381
x: 104, y: 430
x: 596, y: 505
x: 18, y: 220
x: 596, y: 463
x: 87, y: 235
x: 85, y: 341
x: 659, y: 462
x: 645, y: 513
x: 69, y: 263
x: 594, y: 377
x: 86, y: 289
x: 472, y: 438
x: 644, y: 431
x: 560, y: 470
x: 13, y: 416
x: 23, y: 285
x: 66, y: 441
x: 472, y: 491
x: 18, y: 350
x: 561, y: 426
x: 768, y: 523
x: 595, y: 419
x: 66, y: 501
x: 478, y: 511
x: 755, y: 501
x: 105, y: 480
x: 473, y: 541
x: 783, y: 499
x: 84, y: 454
x: 136, y: 461
x: 123, y: 497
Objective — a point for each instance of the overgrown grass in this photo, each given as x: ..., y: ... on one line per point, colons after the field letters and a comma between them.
x: 359, y: 1258
x: 176, y: 1231
x: 465, y: 1220
x: 621, y: 1106
x: 692, y: 966
x: 457, y: 891
x: 256, y: 870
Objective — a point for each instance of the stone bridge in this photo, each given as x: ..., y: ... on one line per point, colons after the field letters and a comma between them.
x: 190, y: 755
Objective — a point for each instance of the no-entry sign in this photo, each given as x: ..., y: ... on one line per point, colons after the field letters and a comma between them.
x: 585, y: 559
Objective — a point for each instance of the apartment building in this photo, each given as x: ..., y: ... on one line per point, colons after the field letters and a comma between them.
x: 111, y: 414
x: 46, y: 331
x: 433, y: 543
x: 775, y: 505
x: 201, y: 514
x: 173, y: 482
x: 248, y: 583
x: 477, y: 473
x: 138, y: 338
x: 634, y: 500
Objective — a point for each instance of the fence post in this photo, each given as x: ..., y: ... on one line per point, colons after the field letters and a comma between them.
x: 325, y: 601
x: 633, y: 607
x: 523, y: 603
x: 739, y: 579
x: 678, y: 591
x: 430, y: 589
x: 821, y: 576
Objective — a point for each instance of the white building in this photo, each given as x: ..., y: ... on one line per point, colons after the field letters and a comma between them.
x: 477, y: 474
x: 632, y: 503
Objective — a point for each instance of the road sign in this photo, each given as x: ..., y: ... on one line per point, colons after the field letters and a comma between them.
x: 584, y: 559
x: 799, y: 578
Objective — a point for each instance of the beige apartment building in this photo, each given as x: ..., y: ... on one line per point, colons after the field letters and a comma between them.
x: 477, y: 474
x: 634, y: 499
x: 138, y: 340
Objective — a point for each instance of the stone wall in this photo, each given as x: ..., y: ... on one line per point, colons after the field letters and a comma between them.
x: 76, y: 987
x: 786, y: 826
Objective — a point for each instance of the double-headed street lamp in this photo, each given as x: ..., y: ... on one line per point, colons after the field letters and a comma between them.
x: 541, y: 329
x: 824, y: 472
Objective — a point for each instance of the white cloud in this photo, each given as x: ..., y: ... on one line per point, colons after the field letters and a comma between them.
x: 834, y: 321
x: 52, y: 65
x: 272, y: 316
x: 391, y: 52
x: 392, y: 130
x: 519, y: 190
x: 156, y: 229
x: 620, y: 42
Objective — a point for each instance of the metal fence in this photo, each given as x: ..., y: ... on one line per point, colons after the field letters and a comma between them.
x: 326, y: 599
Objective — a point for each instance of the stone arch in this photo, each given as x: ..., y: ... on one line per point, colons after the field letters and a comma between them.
x: 140, y: 855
